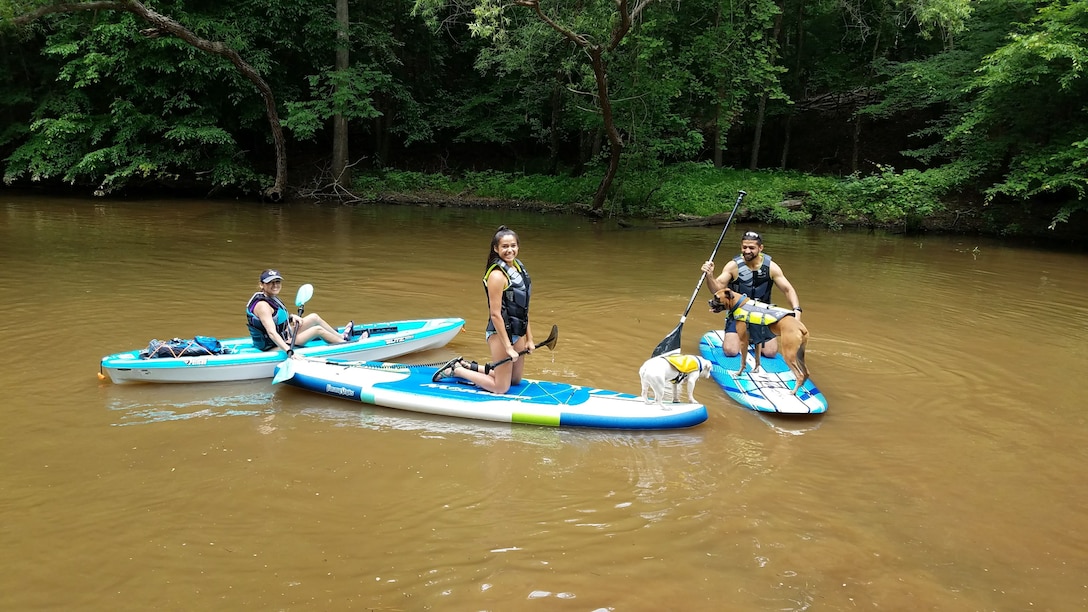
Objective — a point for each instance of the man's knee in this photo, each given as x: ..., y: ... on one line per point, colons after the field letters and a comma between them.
x: 770, y: 348
x: 731, y: 345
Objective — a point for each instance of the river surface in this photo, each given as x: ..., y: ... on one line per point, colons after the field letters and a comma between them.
x: 948, y: 473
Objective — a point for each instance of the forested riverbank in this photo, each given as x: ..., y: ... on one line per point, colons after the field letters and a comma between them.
x: 699, y: 194
x: 934, y: 115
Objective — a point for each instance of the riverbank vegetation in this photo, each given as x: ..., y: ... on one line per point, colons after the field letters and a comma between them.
x: 693, y: 193
x: 929, y: 114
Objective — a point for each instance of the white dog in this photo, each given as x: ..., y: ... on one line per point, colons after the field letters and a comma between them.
x: 675, y: 370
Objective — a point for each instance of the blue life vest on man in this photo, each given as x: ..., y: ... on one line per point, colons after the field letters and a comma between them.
x: 515, y: 298
x: 280, y: 315
x: 756, y: 284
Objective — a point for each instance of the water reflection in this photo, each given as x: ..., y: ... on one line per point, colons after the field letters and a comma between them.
x: 147, y: 404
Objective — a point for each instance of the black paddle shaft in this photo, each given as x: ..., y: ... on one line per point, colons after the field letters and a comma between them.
x: 548, y: 342
x: 671, y: 343
x: 298, y: 326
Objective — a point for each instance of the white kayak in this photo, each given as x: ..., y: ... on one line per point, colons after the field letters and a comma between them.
x: 241, y: 361
x: 535, y: 402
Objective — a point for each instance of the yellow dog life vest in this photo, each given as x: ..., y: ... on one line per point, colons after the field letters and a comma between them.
x: 684, y: 364
x: 758, y: 313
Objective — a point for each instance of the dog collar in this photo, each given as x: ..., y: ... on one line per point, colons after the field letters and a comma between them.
x: 739, y: 308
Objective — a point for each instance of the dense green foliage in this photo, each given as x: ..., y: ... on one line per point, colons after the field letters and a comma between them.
x: 1014, y: 102
x: 690, y: 189
x: 870, y: 111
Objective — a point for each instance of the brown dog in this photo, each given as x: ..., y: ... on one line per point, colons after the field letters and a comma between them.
x: 792, y: 334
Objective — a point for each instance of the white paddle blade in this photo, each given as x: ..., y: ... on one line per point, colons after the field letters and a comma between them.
x: 304, y: 294
x: 284, y: 371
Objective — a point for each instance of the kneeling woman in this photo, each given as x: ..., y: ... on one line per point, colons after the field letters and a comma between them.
x: 271, y: 325
x: 508, y: 330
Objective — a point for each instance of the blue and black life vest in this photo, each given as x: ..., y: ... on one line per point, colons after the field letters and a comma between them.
x: 280, y: 315
x: 756, y: 284
x: 515, y: 298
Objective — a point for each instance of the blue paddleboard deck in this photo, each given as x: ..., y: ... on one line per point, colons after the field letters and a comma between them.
x: 535, y: 402
x: 770, y: 389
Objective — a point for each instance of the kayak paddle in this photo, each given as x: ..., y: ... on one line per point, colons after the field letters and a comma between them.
x: 286, y: 370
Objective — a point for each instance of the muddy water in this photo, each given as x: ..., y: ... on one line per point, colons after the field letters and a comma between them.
x: 947, y: 474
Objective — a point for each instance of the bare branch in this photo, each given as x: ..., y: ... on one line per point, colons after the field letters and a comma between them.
x: 576, y: 38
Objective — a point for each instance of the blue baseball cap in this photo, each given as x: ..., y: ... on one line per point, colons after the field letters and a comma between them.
x: 270, y: 275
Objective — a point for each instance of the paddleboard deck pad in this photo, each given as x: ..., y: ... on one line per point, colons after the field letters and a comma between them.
x: 533, y: 402
x: 768, y: 390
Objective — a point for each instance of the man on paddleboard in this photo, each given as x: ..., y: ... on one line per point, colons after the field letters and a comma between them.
x: 754, y: 274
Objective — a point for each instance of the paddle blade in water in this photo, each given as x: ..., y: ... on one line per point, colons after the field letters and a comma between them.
x: 551, y: 339
x: 284, y: 371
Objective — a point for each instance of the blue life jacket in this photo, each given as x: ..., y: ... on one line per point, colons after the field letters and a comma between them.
x: 515, y: 297
x: 280, y: 315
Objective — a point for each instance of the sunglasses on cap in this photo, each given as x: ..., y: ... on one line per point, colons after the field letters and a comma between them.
x: 751, y: 236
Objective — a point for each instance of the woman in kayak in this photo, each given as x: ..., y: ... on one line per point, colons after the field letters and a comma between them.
x: 508, y: 288
x: 271, y: 325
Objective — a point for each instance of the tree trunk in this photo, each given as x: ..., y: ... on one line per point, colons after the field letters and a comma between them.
x: 801, y: 85
x: 165, y: 25
x: 383, y: 125
x: 786, y: 141
x: 553, y: 128
x: 753, y: 163
x: 626, y: 17
x: 857, y: 139
x: 717, y: 131
x: 615, y: 143
x: 595, y: 141
x: 340, y: 172
x: 718, y: 136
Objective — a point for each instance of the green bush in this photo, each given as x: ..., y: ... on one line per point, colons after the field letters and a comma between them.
x: 892, y: 198
x: 887, y: 199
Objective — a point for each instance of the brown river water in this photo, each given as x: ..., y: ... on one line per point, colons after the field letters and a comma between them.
x: 946, y: 475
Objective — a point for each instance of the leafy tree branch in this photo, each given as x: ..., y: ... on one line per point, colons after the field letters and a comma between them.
x: 161, y: 24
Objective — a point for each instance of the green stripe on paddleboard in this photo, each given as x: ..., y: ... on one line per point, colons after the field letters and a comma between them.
x: 535, y: 419
x: 366, y: 398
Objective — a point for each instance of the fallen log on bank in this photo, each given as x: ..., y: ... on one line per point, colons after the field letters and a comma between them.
x: 743, y: 214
